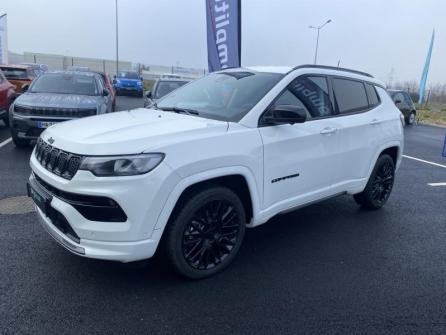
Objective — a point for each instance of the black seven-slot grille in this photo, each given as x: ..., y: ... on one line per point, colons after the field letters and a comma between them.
x: 55, y: 111
x: 59, y: 162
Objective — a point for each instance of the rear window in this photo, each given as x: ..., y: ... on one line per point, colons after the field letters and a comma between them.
x: 372, y: 95
x: 65, y: 84
x: 12, y: 73
x: 350, y: 95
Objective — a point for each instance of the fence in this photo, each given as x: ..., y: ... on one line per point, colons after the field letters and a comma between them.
x: 61, y: 62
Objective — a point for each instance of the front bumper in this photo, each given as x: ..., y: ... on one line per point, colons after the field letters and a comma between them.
x: 116, y: 251
x: 142, y: 198
x: 27, y: 127
x: 134, y: 89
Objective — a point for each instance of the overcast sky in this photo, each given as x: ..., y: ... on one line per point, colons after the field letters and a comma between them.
x: 375, y: 36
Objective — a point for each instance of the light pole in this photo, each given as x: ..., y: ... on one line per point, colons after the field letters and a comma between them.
x: 317, y: 39
x: 117, y: 55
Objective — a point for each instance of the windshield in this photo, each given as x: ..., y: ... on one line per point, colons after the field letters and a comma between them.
x: 63, y: 83
x: 165, y: 87
x: 226, y: 96
x: 12, y: 73
x: 128, y: 75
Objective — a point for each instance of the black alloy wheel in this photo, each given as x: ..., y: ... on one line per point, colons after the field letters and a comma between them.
x: 210, y: 235
x: 206, y: 233
x: 380, y: 184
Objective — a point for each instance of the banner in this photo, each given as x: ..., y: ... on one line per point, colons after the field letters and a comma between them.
x: 426, y: 70
x: 3, y: 40
x: 223, y: 18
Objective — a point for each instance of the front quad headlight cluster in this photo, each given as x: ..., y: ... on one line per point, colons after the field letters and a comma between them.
x: 129, y: 165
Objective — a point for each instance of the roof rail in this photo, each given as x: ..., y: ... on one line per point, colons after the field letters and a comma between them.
x: 305, y: 66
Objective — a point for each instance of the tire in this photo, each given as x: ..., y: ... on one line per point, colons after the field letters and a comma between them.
x: 205, y: 235
x: 411, y: 118
x: 6, y: 121
x: 19, y: 142
x: 379, y: 186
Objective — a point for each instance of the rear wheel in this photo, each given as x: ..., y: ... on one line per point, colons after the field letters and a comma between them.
x: 206, y: 234
x: 411, y: 118
x: 380, y: 184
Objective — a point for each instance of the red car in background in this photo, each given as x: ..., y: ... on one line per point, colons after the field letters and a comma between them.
x: 7, y: 94
x: 109, y: 85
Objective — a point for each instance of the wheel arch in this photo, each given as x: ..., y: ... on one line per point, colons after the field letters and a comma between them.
x: 238, y: 179
x: 393, y: 149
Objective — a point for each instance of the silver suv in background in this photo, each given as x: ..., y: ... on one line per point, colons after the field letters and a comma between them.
x: 161, y: 88
x: 54, y: 97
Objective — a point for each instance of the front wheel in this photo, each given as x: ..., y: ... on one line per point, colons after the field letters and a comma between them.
x: 380, y: 184
x: 206, y: 234
x: 6, y: 120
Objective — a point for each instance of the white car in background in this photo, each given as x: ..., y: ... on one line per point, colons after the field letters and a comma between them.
x: 225, y: 152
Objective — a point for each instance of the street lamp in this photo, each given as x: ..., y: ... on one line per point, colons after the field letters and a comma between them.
x: 317, y: 39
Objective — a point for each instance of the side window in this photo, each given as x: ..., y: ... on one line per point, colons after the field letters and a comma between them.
x: 313, y: 92
x: 407, y: 99
x: 398, y: 98
x: 372, y: 95
x: 350, y: 95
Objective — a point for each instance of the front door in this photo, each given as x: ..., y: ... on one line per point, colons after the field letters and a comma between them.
x: 301, y: 160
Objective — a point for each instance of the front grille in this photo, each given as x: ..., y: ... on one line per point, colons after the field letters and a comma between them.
x: 59, y: 162
x: 54, y: 111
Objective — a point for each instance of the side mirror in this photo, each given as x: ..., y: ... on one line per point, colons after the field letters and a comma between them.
x: 25, y: 87
x: 149, y: 94
x: 141, y: 78
x: 105, y: 92
x: 285, y: 114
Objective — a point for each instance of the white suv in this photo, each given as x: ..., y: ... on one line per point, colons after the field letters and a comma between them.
x: 222, y: 153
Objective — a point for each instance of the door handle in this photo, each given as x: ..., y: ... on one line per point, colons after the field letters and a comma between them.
x: 329, y: 130
x: 374, y: 122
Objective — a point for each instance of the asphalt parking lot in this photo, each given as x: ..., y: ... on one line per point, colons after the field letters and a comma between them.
x: 327, y: 268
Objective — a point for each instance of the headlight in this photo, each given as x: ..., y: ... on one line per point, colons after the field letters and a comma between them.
x: 139, y: 83
x: 131, y: 165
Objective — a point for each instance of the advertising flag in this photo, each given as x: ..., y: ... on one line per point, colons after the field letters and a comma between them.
x: 223, y: 18
x: 426, y: 70
x: 3, y: 40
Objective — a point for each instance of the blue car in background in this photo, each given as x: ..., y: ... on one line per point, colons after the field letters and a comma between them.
x: 128, y: 82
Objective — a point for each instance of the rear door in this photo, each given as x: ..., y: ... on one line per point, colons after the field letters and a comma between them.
x: 300, y: 160
x: 360, y: 119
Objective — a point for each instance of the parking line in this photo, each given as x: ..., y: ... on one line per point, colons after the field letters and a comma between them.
x: 427, y: 162
x: 436, y: 184
x: 2, y: 144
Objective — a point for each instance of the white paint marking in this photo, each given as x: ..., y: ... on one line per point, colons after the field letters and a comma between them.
x: 427, y: 162
x: 436, y: 184
x: 5, y: 142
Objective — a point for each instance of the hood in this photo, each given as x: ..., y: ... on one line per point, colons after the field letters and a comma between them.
x: 57, y: 100
x: 130, y: 82
x: 131, y: 132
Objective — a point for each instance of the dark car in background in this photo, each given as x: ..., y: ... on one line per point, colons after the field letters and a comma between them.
x: 128, y: 82
x: 105, y: 78
x: 21, y: 76
x: 161, y: 88
x: 55, y: 97
x: 405, y: 104
x: 7, y: 94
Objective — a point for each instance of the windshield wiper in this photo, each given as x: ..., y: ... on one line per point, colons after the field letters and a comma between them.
x: 179, y: 110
